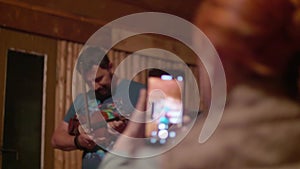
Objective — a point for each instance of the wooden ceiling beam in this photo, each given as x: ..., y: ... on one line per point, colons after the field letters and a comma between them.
x: 47, y: 22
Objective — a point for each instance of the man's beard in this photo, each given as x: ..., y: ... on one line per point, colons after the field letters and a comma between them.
x: 103, y: 94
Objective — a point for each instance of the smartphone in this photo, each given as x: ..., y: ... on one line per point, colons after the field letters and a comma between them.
x: 164, y: 114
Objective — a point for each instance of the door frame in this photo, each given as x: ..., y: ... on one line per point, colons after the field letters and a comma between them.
x: 30, y: 43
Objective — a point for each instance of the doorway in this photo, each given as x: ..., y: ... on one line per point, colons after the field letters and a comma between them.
x: 23, y: 111
x: 27, y: 93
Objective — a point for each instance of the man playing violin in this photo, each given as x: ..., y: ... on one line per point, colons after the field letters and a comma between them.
x: 105, y: 92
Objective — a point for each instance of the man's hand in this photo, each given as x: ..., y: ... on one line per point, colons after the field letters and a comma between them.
x: 84, y: 140
x: 106, y: 135
x: 117, y: 126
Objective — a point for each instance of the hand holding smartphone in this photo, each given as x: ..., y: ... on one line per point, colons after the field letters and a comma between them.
x: 164, y: 115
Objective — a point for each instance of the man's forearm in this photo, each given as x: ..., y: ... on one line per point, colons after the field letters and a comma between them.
x: 62, y: 140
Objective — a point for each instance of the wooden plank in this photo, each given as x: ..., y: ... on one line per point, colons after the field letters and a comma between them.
x: 57, y: 25
x: 144, y: 41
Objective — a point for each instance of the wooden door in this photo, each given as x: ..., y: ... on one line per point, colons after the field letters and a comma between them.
x: 27, y: 93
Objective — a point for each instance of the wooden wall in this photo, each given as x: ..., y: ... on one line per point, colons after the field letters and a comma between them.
x: 76, y: 21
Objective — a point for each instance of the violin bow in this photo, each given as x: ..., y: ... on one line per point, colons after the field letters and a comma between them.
x: 85, y: 98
